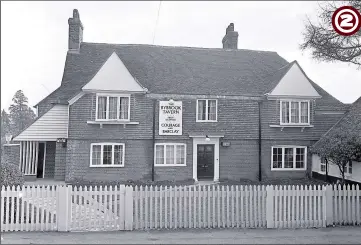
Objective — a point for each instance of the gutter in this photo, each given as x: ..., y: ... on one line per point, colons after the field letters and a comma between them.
x: 153, y: 138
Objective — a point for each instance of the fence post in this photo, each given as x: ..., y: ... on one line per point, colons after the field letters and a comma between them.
x: 328, y: 204
x: 128, y: 204
x: 121, y: 207
x: 63, y: 207
x: 269, y: 206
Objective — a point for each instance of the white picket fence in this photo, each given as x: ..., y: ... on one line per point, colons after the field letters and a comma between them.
x: 199, y: 207
x: 36, y: 208
x: 29, y: 208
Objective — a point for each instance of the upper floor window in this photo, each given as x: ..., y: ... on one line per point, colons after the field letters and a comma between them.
x: 289, y: 158
x: 295, y: 112
x: 206, y: 110
x: 112, y: 107
x: 107, y: 155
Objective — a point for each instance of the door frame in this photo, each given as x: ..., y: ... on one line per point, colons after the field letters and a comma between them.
x: 201, y: 140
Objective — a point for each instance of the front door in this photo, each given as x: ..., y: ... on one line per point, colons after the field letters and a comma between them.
x: 205, y: 161
x: 41, y: 155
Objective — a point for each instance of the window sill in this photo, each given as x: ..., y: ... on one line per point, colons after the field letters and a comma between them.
x: 101, y: 123
x: 205, y: 121
x: 105, y: 166
x: 302, y: 126
x: 288, y: 169
x: 170, y: 165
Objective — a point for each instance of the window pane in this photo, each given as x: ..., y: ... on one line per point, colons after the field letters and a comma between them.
x: 304, y: 112
x: 285, y: 112
x: 118, y: 155
x: 300, y: 158
x: 294, y: 112
x: 96, y: 154
x: 159, y: 154
x: 169, y: 154
x: 288, y: 158
x: 277, y: 158
x: 102, y: 107
x: 180, y: 154
x: 201, y: 110
x: 107, y: 154
x: 113, y: 105
x: 323, y: 164
x: 124, y: 108
x: 212, y: 110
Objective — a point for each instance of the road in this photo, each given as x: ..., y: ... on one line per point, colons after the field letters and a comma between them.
x: 334, y: 235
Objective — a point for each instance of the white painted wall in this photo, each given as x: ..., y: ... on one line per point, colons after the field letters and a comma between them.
x: 113, y: 76
x: 294, y: 83
x: 335, y: 172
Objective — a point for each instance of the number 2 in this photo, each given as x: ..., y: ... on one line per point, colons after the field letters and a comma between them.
x: 346, y: 20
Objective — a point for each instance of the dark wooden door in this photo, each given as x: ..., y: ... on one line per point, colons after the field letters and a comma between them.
x: 205, y: 161
x: 40, y: 168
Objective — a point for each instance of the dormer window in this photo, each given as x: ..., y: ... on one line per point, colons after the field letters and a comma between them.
x: 295, y: 112
x: 112, y: 107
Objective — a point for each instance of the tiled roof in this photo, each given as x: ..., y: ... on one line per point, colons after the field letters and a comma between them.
x: 350, y: 122
x: 180, y: 70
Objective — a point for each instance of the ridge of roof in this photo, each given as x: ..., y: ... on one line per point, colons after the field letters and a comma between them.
x: 179, y: 47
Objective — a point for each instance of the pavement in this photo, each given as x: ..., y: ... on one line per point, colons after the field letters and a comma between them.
x: 332, y: 235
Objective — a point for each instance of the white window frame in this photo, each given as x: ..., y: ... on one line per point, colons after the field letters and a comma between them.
x: 322, y: 163
x: 118, y: 110
x: 347, y: 168
x: 175, y: 155
x: 101, y: 155
x: 299, y: 112
x: 206, y: 120
x: 294, y: 158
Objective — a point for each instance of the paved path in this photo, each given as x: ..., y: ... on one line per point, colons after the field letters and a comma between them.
x: 337, y: 235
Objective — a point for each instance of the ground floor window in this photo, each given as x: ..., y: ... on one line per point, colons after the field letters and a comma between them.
x: 289, y: 158
x: 170, y: 154
x: 348, y: 168
x: 107, y: 155
x: 323, y: 164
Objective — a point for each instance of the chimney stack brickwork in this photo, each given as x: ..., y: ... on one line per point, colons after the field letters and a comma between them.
x: 230, y: 40
x: 75, y: 32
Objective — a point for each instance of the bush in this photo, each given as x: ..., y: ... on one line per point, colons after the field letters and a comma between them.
x: 10, y: 173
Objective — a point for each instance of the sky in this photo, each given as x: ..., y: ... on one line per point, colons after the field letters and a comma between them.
x: 34, y: 37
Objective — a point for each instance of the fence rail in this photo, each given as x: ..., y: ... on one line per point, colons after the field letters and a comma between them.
x: 68, y: 208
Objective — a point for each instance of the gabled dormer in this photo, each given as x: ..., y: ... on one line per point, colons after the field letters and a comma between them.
x: 113, y: 87
x: 295, y: 96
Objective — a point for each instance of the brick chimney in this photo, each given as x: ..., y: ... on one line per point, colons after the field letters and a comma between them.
x: 230, y: 40
x: 75, y: 31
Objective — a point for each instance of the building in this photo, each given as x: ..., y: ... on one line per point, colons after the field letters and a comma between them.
x: 351, y: 122
x: 132, y: 112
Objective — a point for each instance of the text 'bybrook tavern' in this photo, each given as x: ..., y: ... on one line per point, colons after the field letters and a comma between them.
x: 170, y: 117
x: 191, y: 113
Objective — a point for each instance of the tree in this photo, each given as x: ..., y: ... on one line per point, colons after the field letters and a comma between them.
x: 5, y: 125
x: 325, y: 43
x: 21, y: 115
x: 339, y: 148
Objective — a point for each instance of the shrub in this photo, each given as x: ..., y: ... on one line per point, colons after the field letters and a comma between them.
x: 10, y: 173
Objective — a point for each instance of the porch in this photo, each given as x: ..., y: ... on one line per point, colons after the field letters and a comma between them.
x: 43, y: 146
x: 42, y: 161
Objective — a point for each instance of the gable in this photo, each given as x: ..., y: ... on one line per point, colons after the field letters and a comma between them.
x: 113, y: 76
x: 49, y: 127
x: 294, y: 83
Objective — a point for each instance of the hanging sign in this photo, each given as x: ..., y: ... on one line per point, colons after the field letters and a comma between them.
x: 170, y: 117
